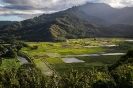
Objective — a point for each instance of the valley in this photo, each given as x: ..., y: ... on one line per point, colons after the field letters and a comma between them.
x: 85, y: 46
x: 100, y: 56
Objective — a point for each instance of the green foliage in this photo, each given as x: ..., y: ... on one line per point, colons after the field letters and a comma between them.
x: 128, y: 58
x: 2, y: 50
x: 8, y: 64
x: 103, y: 84
x: 34, y: 47
x: 10, y: 53
x: 29, y: 76
x: 123, y: 76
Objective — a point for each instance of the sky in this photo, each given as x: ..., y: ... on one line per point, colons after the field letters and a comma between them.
x: 18, y: 10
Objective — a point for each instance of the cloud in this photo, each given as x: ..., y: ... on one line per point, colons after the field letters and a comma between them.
x: 31, y: 8
x: 119, y: 3
x: 36, y: 7
x: 41, y: 4
x: 1, y: 5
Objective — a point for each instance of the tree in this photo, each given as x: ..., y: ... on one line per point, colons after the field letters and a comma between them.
x: 10, y: 53
x: 2, y: 50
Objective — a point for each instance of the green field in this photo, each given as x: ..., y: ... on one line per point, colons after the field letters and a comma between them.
x: 48, y: 55
x: 43, y: 67
x: 8, y: 64
x: 90, y: 62
x: 52, y: 52
x: 77, y: 46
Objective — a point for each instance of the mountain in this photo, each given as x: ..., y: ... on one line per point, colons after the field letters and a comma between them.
x: 108, y: 13
x: 3, y: 23
x: 67, y: 24
x: 81, y: 14
x: 64, y: 26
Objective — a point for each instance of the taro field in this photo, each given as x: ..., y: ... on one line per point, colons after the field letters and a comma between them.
x: 53, y: 52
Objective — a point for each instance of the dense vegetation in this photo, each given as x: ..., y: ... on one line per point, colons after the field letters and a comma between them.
x: 29, y: 76
x: 10, y: 46
x: 4, y: 23
x: 9, y: 49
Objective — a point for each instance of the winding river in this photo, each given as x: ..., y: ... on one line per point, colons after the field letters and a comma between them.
x: 22, y: 60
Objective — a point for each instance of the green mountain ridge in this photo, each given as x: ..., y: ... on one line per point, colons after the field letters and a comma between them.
x: 67, y: 24
x: 4, y: 23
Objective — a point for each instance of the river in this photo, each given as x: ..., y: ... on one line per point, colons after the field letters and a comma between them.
x: 22, y: 60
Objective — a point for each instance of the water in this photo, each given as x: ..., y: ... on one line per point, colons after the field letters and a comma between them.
x: 98, y: 54
x: 22, y: 60
x: 72, y: 60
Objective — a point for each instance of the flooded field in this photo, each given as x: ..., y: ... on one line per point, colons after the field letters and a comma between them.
x: 72, y: 60
x: 22, y: 60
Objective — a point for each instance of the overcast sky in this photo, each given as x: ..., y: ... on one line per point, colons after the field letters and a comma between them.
x: 24, y: 9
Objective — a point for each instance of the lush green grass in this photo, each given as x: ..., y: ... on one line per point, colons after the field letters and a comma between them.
x: 9, y: 63
x: 43, y: 67
x: 77, y: 46
x: 71, y: 51
x: 54, y: 61
x: 90, y: 62
x: 99, y: 60
x: 58, y: 64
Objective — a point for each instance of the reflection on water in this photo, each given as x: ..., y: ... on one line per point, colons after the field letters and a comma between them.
x: 71, y: 60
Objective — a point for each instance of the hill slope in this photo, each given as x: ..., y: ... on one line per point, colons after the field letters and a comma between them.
x: 3, y: 23
x: 81, y: 14
x: 63, y: 25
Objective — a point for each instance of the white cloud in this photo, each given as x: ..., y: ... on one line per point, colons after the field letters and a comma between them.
x: 118, y: 3
x: 35, y: 7
x: 1, y: 5
x: 26, y: 8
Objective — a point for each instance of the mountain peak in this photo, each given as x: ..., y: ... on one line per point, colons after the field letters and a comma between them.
x: 108, y: 13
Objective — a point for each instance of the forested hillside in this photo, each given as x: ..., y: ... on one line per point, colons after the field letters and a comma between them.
x: 3, y: 23
x: 70, y: 23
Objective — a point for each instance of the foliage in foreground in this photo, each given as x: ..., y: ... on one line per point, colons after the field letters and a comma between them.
x: 28, y: 76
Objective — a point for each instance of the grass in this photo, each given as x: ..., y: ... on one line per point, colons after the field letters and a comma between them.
x: 103, y: 60
x: 43, y: 67
x: 8, y: 64
x: 76, y: 46
x: 70, y: 51
x: 90, y: 62
x: 51, y: 52
x: 54, y: 61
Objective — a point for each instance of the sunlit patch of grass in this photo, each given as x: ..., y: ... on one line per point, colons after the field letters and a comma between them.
x: 43, y: 67
x: 54, y: 61
x: 9, y: 63
x: 70, y: 51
